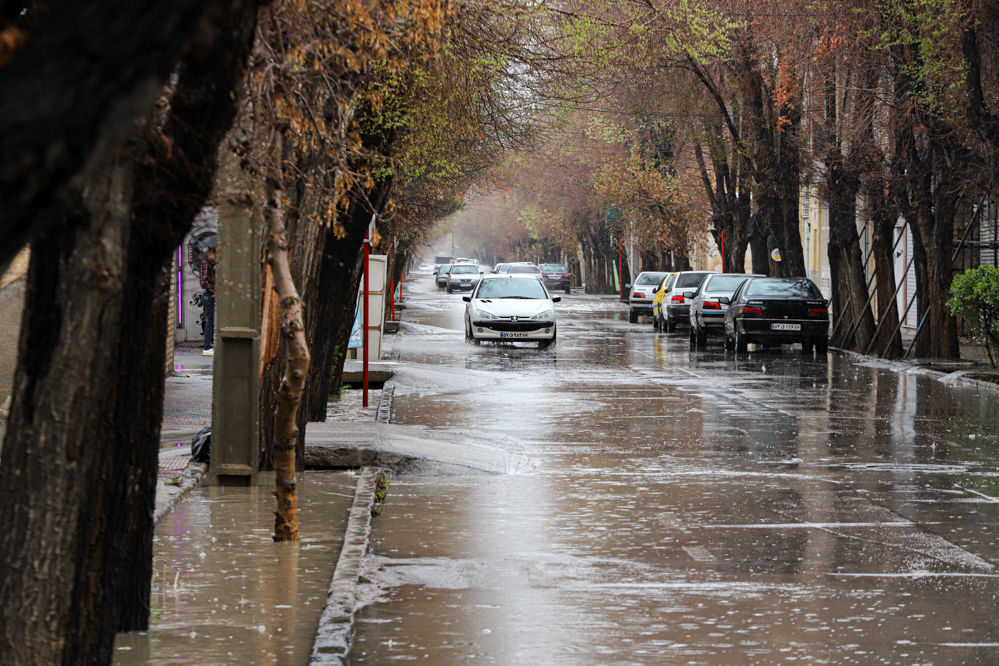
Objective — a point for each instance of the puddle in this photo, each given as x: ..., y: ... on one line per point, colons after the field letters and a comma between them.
x: 224, y: 593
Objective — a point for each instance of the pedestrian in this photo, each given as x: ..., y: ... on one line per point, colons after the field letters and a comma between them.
x: 206, y: 273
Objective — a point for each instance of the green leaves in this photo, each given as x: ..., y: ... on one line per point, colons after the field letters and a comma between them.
x: 975, y: 297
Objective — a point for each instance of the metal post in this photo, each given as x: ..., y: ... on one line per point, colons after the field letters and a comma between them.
x: 364, y: 325
x: 919, y: 329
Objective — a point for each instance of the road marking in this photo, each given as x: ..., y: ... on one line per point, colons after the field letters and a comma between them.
x: 818, y: 526
x: 699, y: 553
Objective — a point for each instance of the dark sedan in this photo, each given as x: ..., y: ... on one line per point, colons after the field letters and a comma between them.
x: 556, y: 276
x: 775, y: 311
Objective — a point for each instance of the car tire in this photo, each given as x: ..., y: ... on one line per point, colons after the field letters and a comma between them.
x: 822, y: 346
x: 741, y: 343
x: 568, y: 290
x: 670, y: 324
x: 701, y: 336
x: 468, y: 332
x: 806, y: 346
x: 632, y: 316
x: 692, y: 335
x: 729, y: 343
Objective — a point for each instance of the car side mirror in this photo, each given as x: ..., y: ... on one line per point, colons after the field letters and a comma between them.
x: 556, y: 299
x: 467, y: 299
x: 482, y: 272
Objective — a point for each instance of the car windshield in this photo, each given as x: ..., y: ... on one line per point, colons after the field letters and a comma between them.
x: 524, y: 269
x: 783, y: 288
x: 514, y: 288
x: 723, y: 283
x: 464, y: 269
x: 649, y: 278
x: 553, y: 268
x: 688, y: 280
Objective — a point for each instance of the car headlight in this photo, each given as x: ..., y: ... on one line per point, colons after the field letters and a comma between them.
x: 544, y: 314
x: 482, y: 314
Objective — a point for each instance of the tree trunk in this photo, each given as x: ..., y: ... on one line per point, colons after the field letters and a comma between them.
x: 889, y: 341
x: 296, y: 350
x: 849, y: 286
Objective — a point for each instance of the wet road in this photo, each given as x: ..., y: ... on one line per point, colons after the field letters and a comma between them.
x: 684, y: 506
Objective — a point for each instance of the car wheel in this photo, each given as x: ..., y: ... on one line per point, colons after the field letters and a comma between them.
x: 701, y: 336
x: 568, y: 290
x: 632, y: 316
x: 729, y: 343
x: 741, y: 343
x: 806, y: 346
x: 670, y: 324
x: 468, y: 332
x: 822, y: 346
x: 692, y: 336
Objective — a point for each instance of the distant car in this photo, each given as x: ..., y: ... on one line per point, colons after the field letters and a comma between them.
x: 441, y: 275
x: 642, y: 291
x: 657, y: 300
x: 556, y: 276
x: 462, y: 276
x: 510, y: 308
x: 524, y: 268
x: 503, y: 269
x: 676, y: 306
x: 708, y: 305
x: 498, y: 268
x: 442, y: 260
x: 775, y: 311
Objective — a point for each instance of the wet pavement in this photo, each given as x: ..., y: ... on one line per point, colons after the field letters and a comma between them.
x: 224, y: 593
x: 682, y: 506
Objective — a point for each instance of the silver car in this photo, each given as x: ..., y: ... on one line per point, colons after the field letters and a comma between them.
x: 676, y: 301
x: 642, y: 292
x: 510, y: 308
x: 708, y: 305
x: 462, y: 276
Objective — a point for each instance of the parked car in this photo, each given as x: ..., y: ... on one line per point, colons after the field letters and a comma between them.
x: 556, y: 276
x: 443, y: 260
x: 708, y: 305
x: 657, y: 300
x: 775, y: 311
x: 510, y: 308
x: 642, y: 291
x: 525, y: 268
x: 462, y: 276
x: 676, y: 301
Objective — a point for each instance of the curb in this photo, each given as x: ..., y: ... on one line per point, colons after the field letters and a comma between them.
x: 336, y: 625
x: 192, y: 476
x: 955, y: 377
x: 383, y: 414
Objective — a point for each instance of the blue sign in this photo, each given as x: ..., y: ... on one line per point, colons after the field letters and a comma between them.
x: 356, y: 339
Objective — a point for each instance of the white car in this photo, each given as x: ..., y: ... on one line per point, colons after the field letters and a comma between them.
x: 462, y: 276
x: 510, y: 308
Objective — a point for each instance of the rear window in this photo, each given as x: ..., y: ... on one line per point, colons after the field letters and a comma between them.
x: 724, y: 283
x: 687, y: 280
x: 463, y: 268
x: 524, y: 269
x: 553, y: 267
x: 783, y: 288
x: 650, y: 278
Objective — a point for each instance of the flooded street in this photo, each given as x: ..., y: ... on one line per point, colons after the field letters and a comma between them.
x: 223, y: 592
x: 683, y: 506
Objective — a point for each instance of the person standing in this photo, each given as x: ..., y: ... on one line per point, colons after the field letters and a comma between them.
x: 206, y: 273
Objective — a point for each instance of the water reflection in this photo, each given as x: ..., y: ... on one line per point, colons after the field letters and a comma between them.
x: 224, y: 592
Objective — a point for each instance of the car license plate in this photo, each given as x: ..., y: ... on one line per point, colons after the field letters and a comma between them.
x: 513, y: 335
x: 780, y: 326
